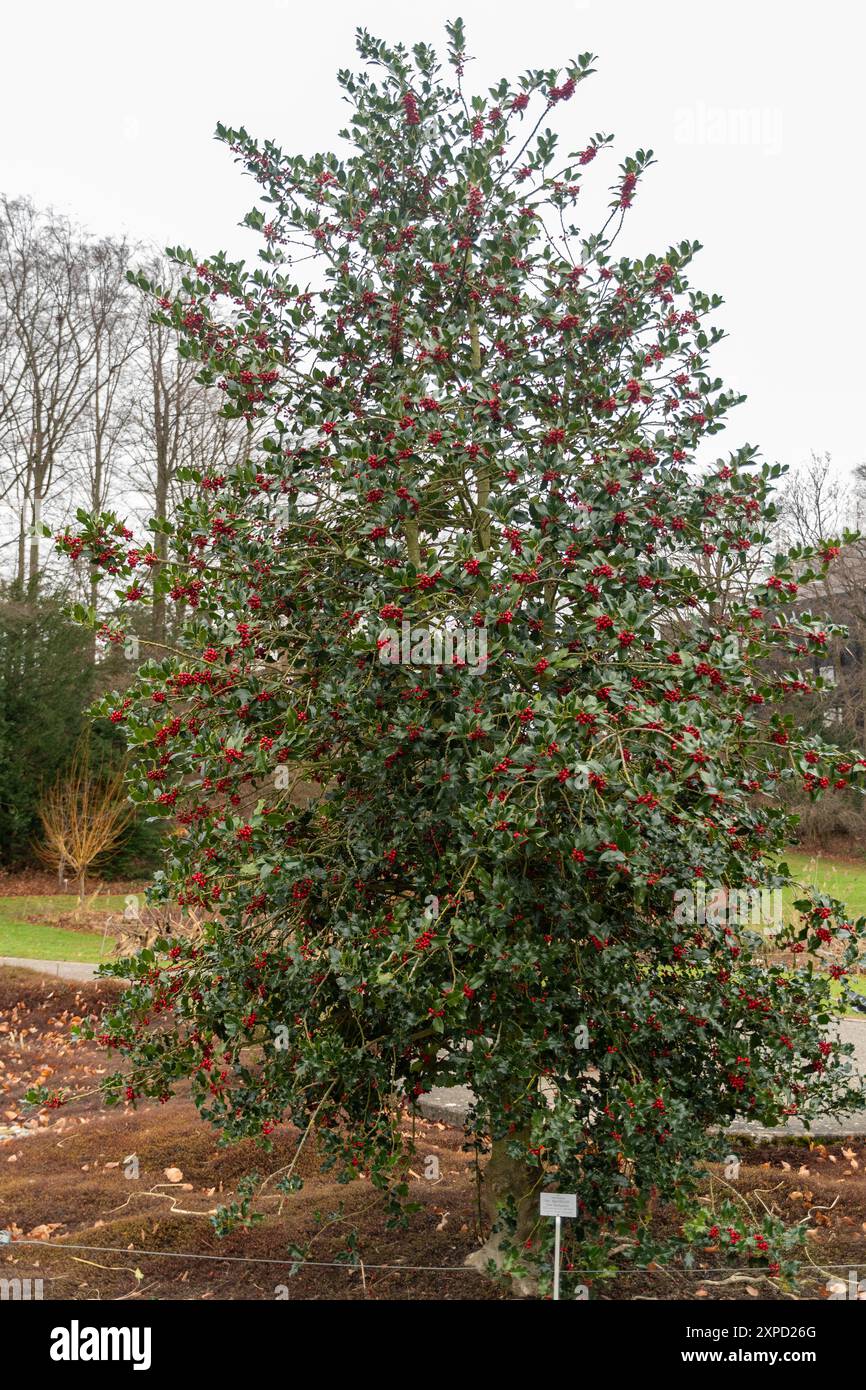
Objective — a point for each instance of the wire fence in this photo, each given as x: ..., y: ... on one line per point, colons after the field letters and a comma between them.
x: 354, y: 1266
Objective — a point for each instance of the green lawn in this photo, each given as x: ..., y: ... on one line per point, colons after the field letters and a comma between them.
x: 857, y: 983
x: 844, y: 879
x: 41, y: 941
x: 55, y: 903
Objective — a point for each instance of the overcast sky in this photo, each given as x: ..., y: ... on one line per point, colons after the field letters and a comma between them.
x: 753, y: 109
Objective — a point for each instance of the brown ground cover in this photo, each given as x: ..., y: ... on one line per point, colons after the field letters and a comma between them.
x: 63, y: 1185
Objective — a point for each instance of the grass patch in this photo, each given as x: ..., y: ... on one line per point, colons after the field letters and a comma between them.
x: 37, y: 941
x: 41, y: 940
x: 843, y: 879
x: 42, y: 904
x: 858, y: 984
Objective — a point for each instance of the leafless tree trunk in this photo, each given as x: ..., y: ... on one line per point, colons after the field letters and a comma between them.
x: 177, y: 427
x: 57, y: 323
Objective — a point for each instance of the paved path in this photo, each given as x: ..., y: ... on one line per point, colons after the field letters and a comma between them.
x: 450, y: 1103
x: 65, y: 969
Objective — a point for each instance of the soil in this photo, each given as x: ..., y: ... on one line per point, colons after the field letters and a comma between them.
x: 19, y: 883
x: 132, y: 934
x: 62, y: 1180
x: 836, y: 847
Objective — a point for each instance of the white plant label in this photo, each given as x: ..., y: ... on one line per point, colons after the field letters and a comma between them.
x: 558, y: 1204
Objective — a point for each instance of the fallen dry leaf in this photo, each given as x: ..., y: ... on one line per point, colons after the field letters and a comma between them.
x: 45, y: 1231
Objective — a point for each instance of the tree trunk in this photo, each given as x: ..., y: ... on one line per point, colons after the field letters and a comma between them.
x: 507, y: 1184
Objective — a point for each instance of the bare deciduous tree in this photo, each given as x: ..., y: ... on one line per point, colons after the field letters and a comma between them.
x: 84, y: 814
x: 63, y: 298
x: 176, y: 426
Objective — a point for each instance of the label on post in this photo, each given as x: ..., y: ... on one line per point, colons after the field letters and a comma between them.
x: 559, y: 1204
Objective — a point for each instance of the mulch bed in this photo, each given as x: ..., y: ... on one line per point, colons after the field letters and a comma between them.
x: 21, y: 883
x: 64, y: 1182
